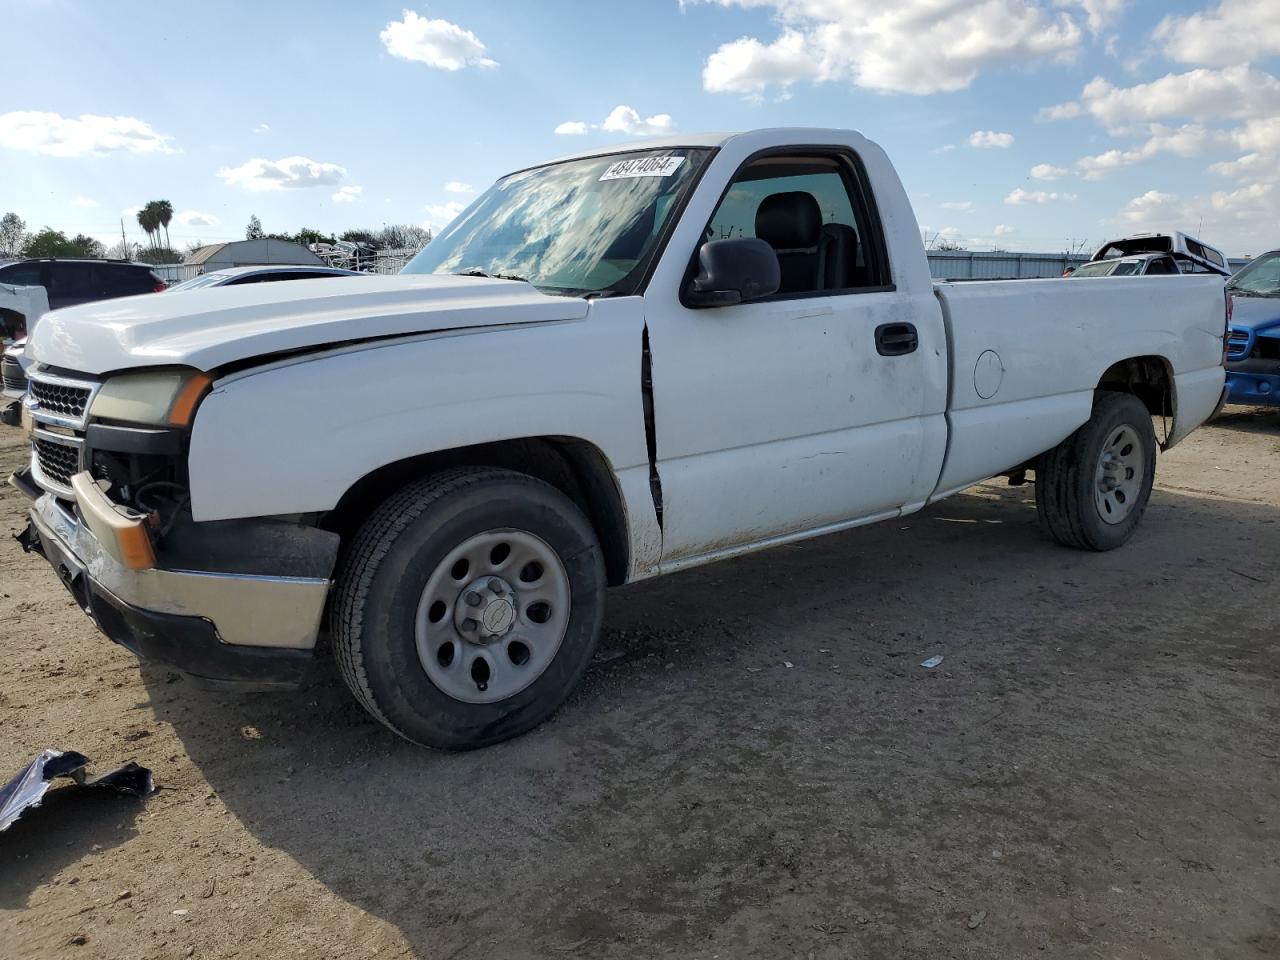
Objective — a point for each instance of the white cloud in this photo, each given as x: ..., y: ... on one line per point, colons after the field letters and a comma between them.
x: 84, y: 203
x: 457, y: 186
x: 624, y: 119
x: 1019, y: 197
x: 1154, y: 208
x: 1060, y: 111
x: 1003, y: 230
x: 288, y: 172
x: 1186, y: 141
x: 348, y: 194
x: 990, y: 139
x: 1047, y: 171
x: 1234, y: 92
x: 194, y: 218
x: 1099, y: 14
x: 911, y: 46
x: 1236, y: 31
x: 54, y: 135
x: 1256, y: 201
x: 262, y: 128
x: 963, y: 205
x: 437, y: 43
x: 440, y: 214
x: 571, y: 128
x: 1261, y: 141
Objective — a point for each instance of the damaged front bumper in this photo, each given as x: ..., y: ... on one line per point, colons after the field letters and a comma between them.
x: 208, y: 606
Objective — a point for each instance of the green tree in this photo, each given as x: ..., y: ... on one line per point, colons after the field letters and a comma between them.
x: 403, y: 236
x: 360, y: 236
x: 88, y: 246
x: 164, y: 216
x: 254, y: 230
x: 13, y: 234
x: 50, y: 243
x: 149, y: 221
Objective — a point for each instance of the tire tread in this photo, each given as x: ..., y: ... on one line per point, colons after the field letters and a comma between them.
x: 372, y: 543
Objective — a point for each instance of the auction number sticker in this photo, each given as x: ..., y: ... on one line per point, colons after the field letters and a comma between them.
x: 642, y: 167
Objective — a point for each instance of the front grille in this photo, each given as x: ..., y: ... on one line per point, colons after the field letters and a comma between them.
x: 1237, y: 344
x: 60, y: 398
x: 11, y: 374
x: 1266, y: 348
x: 58, y: 462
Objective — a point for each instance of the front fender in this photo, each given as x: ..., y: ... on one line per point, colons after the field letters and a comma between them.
x: 294, y: 436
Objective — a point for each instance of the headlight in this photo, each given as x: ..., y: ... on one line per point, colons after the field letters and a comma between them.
x: 155, y: 397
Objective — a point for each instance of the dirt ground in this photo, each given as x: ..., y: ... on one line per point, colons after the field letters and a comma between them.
x: 756, y: 766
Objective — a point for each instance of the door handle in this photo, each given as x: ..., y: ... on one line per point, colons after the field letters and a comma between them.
x: 896, y: 339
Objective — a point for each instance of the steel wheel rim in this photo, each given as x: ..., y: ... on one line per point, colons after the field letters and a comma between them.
x: 489, y: 633
x: 1121, y: 470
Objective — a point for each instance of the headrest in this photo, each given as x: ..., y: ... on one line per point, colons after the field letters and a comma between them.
x: 789, y: 221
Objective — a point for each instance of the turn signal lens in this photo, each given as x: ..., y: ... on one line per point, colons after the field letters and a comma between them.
x: 184, y: 404
x: 136, y: 551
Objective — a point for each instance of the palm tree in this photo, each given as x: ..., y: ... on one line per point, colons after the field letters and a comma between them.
x: 164, y: 214
x: 147, y: 221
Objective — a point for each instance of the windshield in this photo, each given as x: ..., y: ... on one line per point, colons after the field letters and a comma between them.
x: 582, y: 226
x: 1109, y: 268
x: 203, y: 280
x: 1261, y: 278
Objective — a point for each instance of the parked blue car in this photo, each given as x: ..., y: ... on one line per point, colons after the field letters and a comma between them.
x: 1253, y: 342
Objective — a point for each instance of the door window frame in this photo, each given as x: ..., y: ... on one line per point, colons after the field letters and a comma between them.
x: 861, y: 198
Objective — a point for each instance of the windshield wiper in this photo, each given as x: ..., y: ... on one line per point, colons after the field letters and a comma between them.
x: 476, y: 272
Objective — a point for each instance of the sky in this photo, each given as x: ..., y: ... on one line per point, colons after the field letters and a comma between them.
x: 1037, y: 126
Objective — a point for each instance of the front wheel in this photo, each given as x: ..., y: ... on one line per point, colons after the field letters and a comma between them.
x: 1092, y: 489
x: 469, y: 607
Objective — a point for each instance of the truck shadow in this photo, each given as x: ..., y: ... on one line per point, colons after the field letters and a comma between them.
x: 69, y: 824
x: 758, y: 753
x: 1261, y: 420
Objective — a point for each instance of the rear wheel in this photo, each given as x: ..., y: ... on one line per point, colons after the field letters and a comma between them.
x: 469, y: 607
x: 1092, y: 489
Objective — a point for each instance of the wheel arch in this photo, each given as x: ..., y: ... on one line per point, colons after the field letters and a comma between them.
x: 1150, y: 379
x: 575, y: 467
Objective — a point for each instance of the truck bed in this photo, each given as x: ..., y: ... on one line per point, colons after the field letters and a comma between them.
x: 1026, y: 356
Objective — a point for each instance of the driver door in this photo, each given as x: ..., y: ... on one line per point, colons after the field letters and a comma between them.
x: 793, y: 413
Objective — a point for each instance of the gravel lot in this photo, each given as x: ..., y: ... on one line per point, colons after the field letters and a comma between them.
x: 756, y: 766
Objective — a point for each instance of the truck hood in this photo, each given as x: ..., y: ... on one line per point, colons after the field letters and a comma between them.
x: 209, y: 328
x: 1255, y: 313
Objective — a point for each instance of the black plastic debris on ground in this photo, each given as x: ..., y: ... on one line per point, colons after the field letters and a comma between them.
x: 28, y: 788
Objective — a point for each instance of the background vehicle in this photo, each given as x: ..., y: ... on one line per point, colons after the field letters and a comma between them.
x: 69, y: 282
x: 238, y: 276
x: 64, y: 283
x: 1191, y: 255
x: 13, y: 374
x: 1145, y: 265
x: 1253, y: 344
x: 647, y: 399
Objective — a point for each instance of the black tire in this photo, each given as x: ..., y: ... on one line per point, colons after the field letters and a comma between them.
x: 383, y: 578
x: 1067, y: 478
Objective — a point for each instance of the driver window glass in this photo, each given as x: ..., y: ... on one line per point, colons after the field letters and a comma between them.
x: 803, y: 208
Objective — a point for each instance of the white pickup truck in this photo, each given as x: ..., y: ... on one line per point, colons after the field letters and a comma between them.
x: 608, y: 367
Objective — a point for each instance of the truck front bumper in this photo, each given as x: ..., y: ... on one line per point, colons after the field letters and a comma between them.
x: 249, y: 629
x: 1254, y: 382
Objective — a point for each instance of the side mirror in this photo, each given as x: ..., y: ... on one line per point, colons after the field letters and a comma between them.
x: 733, y: 271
